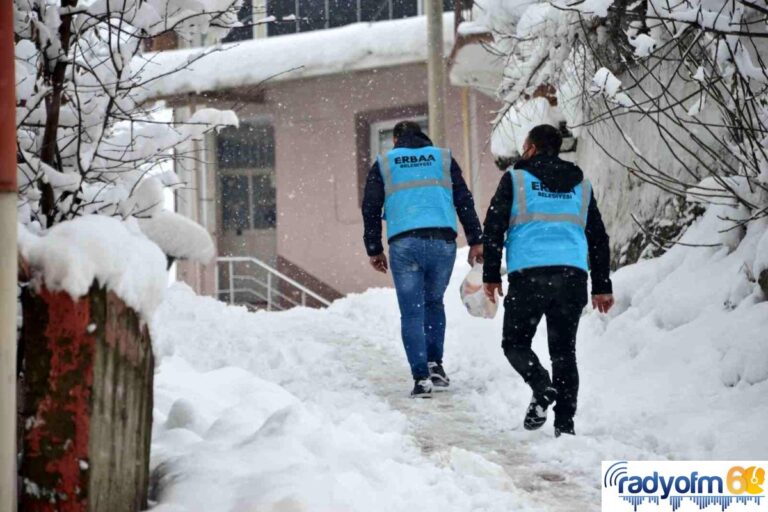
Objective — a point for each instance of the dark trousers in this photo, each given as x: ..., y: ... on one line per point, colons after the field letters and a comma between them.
x: 559, y: 294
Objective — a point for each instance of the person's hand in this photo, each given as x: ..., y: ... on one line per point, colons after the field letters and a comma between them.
x: 475, y: 254
x: 603, y: 303
x: 379, y: 263
x: 491, y: 289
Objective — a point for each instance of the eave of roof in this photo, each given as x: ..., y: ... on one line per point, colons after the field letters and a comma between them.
x: 356, y: 47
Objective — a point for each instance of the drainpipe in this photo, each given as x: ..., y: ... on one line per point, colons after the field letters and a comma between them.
x: 8, y: 255
x: 200, y: 150
x: 474, y: 142
x: 435, y: 71
x: 465, y: 122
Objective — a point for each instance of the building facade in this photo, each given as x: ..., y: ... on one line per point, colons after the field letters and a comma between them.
x: 286, y: 186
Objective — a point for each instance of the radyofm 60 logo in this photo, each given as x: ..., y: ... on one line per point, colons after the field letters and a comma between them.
x: 642, y: 486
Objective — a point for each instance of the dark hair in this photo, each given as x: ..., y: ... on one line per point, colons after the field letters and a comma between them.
x: 547, y: 139
x: 404, y: 127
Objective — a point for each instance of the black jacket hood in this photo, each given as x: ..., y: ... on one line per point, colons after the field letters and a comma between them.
x: 558, y: 175
x: 413, y: 140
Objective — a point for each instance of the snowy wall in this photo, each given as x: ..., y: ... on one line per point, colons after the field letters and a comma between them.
x: 620, y: 194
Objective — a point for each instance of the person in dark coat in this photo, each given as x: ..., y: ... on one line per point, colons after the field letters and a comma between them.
x: 420, y: 190
x: 546, y: 217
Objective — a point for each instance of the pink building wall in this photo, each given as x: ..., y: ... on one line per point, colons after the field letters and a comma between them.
x: 319, y: 222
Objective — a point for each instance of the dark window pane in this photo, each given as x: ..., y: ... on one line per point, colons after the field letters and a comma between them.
x: 342, y: 12
x: 374, y: 10
x: 229, y: 149
x: 247, y: 147
x: 247, y: 198
x: 405, y: 8
x: 234, y: 203
x: 264, y: 204
x: 262, y: 141
x: 312, y: 15
x: 245, y: 15
x: 281, y: 9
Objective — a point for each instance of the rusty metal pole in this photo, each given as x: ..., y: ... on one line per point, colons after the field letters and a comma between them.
x: 8, y: 257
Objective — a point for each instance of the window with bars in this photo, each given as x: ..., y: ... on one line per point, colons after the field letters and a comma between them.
x: 246, y: 174
x: 305, y: 15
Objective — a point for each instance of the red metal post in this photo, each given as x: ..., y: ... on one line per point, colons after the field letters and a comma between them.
x: 87, y: 404
x: 59, y: 382
x: 7, y: 100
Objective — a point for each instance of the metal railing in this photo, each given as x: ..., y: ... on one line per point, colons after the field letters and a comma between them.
x: 253, y: 282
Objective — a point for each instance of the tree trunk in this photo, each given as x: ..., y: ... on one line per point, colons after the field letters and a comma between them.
x: 54, y: 78
x: 86, y: 406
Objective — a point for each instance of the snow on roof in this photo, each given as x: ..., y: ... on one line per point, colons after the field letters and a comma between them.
x: 323, y: 52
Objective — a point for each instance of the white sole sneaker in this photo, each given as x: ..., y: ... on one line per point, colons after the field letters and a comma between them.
x: 424, y: 389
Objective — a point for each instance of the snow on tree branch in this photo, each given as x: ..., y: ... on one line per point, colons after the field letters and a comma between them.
x: 87, y: 136
x: 693, y: 70
x: 89, y: 140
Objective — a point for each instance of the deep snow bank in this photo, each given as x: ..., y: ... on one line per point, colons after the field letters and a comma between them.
x: 678, y: 369
x: 255, y: 411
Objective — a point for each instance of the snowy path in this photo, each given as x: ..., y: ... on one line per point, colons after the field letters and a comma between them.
x: 334, y: 409
x: 448, y: 420
x: 308, y: 410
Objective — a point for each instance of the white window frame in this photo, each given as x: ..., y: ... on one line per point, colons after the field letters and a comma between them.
x: 377, y: 127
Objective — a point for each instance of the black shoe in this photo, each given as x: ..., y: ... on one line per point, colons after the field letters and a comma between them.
x: 565, y: 427
x: 536, y: 415
x: 437, y: 375
x: 422, y: 389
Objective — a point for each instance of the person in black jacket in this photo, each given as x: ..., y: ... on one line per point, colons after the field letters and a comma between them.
x: 545, y: 214
x: 420, y: 189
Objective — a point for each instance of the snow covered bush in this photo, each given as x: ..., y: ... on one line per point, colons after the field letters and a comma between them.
x: 91, y: 140
x: 686, y: 77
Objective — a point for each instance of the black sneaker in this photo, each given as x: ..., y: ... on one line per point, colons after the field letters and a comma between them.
x: 437, y: 375
x: 536, y: 415
x: 422, y: 389
x: 564, y: 428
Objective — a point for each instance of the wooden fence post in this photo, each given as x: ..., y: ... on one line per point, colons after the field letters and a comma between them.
x: 86, y: 405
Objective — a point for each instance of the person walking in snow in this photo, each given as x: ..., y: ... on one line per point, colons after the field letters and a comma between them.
x: 545, y: 214
x: 419, y: 188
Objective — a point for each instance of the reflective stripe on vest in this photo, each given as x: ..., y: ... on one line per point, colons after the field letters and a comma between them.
x: 418, y: 189
x: 390, y: 187
x: 546, y: 228
x: 523, y: 216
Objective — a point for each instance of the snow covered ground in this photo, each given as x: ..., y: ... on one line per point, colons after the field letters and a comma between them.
x: 307, y: 410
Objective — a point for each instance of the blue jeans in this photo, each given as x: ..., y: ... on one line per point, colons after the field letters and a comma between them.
x: 421, y: 269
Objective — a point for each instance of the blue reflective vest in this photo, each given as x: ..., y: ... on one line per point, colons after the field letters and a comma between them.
x: 546, y: 228
x: 418, y: 189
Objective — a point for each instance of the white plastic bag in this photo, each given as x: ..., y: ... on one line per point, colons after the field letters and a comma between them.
x: 473, y: 295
